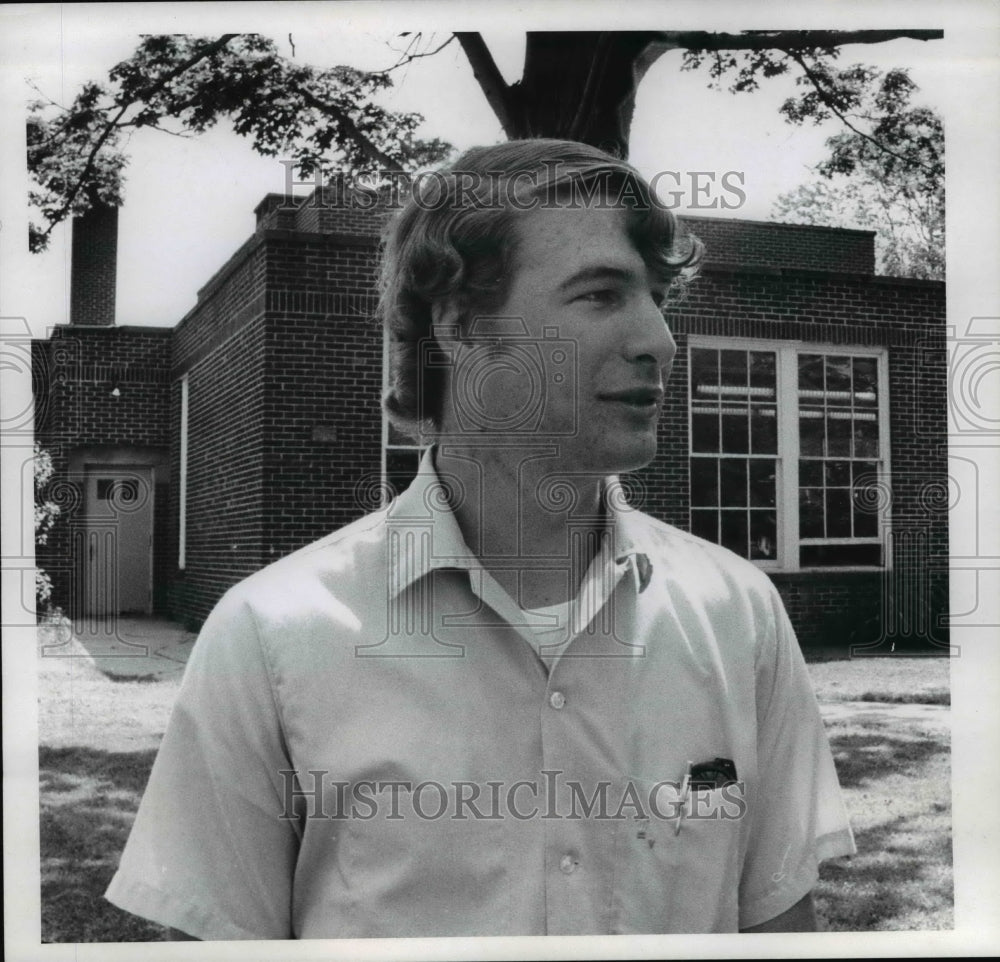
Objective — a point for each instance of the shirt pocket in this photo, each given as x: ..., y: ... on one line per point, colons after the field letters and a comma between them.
x: 686, y: 879
x: 424, y: 877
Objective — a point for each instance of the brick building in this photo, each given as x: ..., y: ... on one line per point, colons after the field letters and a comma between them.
x: 804, y: 425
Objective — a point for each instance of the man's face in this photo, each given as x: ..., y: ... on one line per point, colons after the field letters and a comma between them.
x: 591, y: 315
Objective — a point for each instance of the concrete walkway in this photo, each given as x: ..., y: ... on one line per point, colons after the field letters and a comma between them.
x: 125, y: 647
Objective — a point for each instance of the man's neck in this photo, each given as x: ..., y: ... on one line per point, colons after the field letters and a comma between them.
x: 535, y: 526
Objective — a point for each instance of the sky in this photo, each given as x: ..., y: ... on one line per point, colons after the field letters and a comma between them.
x: 189, y: 202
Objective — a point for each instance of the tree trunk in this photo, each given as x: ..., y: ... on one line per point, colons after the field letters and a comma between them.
x: 581, y: 86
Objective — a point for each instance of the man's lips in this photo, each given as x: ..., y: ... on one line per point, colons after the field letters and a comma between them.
x: 639, y: 397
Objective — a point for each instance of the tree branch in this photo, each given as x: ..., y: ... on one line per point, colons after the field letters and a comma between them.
x: 45, y: 96
x: 162, y: 130
x: 410, y: 57
x: 824, y: 95
x: 113, y: 124
x: 490, y: 80
x: 351, y: 129
x: 785, y: 40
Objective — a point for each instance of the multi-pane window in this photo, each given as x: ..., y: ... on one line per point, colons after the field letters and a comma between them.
x: 788, y: 452
x: 401, y: 453
x: 734, y: 446
x: 838, y: 427
x: 402, y: 458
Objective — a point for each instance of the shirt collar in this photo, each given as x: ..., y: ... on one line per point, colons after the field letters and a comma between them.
x: 630, y: 535
x: 424, y: 534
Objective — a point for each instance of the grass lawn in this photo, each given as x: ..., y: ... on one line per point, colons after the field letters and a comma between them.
x: 99, y: 737
x: 897, y: 788
x: 896, y: 776
x: 97, y: 740
x: 913, y: 680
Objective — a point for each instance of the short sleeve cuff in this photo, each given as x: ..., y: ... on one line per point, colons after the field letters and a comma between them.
x: 797, y: 884
x: 835, y: 844
x: 194, y: 918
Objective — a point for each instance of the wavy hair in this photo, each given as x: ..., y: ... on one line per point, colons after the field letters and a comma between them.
x: 456, y: 240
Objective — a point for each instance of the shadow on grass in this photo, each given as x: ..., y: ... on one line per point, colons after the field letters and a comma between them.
x: 895, y: 775
x: 935, y: 697
x: 865, y: 758
x: 901, y: 878
x: 88, y: 802
x: 147, y: 678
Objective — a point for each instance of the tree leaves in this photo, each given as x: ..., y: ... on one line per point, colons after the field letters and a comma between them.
x: 889, y: 179
x: 46, y: 512
x: 325, y: 120
x: 888, y: 164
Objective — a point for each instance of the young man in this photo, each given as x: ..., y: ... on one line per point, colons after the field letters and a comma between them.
x: 508, y: 703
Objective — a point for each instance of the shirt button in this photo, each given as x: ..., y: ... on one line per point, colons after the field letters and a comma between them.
x: 568, y: 864
x: 557, y: 699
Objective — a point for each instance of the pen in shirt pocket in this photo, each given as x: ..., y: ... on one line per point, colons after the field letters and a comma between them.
x: 685, y: 788
x: 709, y: 775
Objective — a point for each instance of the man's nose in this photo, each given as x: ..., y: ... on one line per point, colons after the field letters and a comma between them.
x: 649, y: 339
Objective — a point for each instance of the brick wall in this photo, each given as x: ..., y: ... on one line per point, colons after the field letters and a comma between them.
x: 749, y: 243
x: 81, y: 420
x: 225, y: 477
x: 283, y: 362
x: 324, y: 384
x: 835, y: 613
x: 219, y: 346
x: 333, y: 209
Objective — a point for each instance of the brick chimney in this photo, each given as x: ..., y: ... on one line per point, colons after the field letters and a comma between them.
x: 94, y: 267
x: 277, y: 211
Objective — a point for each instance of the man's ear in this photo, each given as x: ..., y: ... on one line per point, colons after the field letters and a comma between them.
x: 446, y: 320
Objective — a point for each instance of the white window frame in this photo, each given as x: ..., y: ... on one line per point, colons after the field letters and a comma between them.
x: 787, y: 353
x: 386, y: 446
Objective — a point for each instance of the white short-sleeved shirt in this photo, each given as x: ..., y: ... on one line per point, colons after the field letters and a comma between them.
x: 367, y: 744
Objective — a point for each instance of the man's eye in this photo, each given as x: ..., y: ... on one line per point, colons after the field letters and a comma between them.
x: 606, y: 296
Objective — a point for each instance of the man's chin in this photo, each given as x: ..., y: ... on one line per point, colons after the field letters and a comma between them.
x: 631, y: 457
